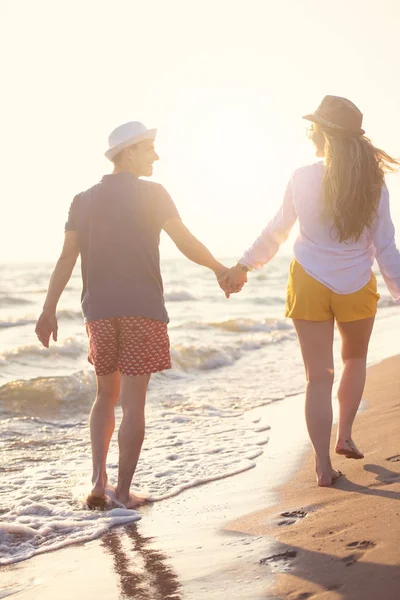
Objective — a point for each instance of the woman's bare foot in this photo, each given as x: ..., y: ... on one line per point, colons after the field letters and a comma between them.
x: 348, y: 449
x: 130, y: 501
x: 327, y: 478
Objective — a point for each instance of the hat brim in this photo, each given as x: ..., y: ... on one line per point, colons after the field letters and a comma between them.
x: 150, y: 134
x: 314, y: 118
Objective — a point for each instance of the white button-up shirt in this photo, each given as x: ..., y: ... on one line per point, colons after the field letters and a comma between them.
x: 344, y: 267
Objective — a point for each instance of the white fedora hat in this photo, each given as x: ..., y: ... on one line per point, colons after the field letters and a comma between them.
x: 126, y: 135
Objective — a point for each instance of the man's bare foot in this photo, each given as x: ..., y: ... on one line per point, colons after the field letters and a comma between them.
x: 97, y: 497
x: 327, y: 478
x: 131, y: 501
x: 98, y: 490
x: 348, y: 449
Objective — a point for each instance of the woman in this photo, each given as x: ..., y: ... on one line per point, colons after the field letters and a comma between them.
x: 342, y: 205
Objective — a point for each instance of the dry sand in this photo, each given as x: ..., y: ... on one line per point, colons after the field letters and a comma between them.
x: 345, y: 544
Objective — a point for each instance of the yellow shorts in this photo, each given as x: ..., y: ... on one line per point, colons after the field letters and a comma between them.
x: 311, y: 300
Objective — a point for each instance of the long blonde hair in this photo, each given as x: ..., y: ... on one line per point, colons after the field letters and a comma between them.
x: 354, y: 176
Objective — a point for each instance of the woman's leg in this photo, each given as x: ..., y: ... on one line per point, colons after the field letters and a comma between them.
x: 355, y: 339
x: 316, y: 341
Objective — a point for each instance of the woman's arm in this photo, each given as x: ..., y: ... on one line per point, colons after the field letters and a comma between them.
x: 387, y: 254
x: 266, y: 245
x: 275, y: 233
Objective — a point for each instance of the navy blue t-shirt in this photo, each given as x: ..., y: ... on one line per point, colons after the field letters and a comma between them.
x: 118, y: 223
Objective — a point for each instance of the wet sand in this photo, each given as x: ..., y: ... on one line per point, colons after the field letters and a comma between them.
x: 180, y: 548
x: 342, y: 543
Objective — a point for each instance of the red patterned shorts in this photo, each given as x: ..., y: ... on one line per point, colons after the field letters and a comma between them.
x: 131, y: 345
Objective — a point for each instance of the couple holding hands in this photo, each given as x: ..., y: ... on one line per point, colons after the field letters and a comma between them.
x: 341, y: 204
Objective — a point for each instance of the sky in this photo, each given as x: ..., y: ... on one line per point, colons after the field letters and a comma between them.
x: 225, y: 82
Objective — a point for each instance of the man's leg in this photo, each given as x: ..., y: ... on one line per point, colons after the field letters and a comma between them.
x: 102, y: 423
x: 131, y: 434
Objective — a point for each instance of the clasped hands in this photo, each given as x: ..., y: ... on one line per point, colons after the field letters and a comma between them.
x: 232, y: 280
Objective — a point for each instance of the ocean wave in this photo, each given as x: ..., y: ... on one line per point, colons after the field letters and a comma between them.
x: 204, y: 358
x: 16, y: 323
x: 42, y: 395
x: 14, y: 301
x: 29, y: 320
x: 386, y: 302
x: 39, y: 527
x: 241, y: 325
x: 269, y: 300
x: 249, y: 325
x: 179, y: 296
x: 44, y: 506
x: 69, y: 315
x: 34, y: 291
x: 69, y: 348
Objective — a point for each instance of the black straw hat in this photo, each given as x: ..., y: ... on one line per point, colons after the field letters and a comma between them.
x: 338, y: 114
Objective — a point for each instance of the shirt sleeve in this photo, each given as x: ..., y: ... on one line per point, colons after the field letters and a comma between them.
x: 275, y: 233
x: 70, y: 225
x: 166, y: 208
x: 386, y: 252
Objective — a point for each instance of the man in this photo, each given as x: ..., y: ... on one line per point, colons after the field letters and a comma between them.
x: 115, y: 226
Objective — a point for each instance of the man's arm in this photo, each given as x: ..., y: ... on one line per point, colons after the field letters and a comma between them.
x: 47, y: 322
x: 192, y: 248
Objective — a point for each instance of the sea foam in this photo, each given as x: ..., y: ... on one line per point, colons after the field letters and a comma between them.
x: 44, y: 497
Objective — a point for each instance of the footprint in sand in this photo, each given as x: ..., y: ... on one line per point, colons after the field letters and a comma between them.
x: 364, y: 545
x: 358, y: 545
x: 292, y: 517
x: 394, y: 458
x: 281, y: 557
x: 295, y: 514
x: 351, y: 559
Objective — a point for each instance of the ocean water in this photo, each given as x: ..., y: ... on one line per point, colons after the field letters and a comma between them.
x: 229, y: 357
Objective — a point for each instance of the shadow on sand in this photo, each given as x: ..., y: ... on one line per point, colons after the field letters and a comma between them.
x: 384, y: 477
x: 346, y: 576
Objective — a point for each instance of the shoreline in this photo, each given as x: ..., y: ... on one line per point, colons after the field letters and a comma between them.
x: 185, y: 534
x: 217, y: 540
